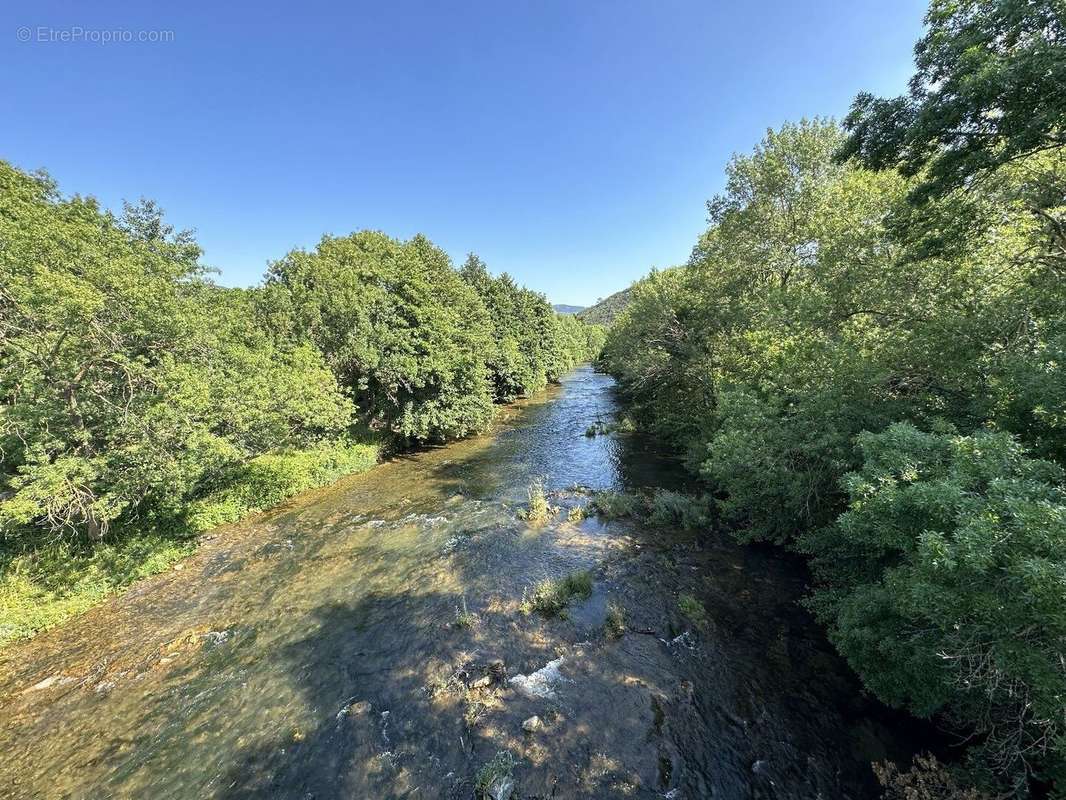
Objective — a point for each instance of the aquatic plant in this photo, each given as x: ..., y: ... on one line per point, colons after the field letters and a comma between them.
x: 597, y: 429
x: 498, y: 770
x: 624, y: 424
x: 464, y: 618
x: 551, y: 596
x: 538, y: 509
x: 576, y: 514
x: 676, y: 509
x: 614, y: 624
x: 613, y: 505
x: 693, y: 609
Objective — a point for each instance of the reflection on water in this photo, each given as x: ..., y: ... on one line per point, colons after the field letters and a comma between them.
x: 313, y: 652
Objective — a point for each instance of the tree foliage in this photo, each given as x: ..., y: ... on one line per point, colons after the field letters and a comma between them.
x: 942, y: 583
x: 881, y: 385
x: 531, y: 344
x: 987, y: 90
x: 116, y: 396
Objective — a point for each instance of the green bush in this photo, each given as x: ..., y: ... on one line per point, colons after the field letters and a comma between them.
x: 669, y: 508
x: 265, y: 481
x: 942, y: 584
x: 614, y: 505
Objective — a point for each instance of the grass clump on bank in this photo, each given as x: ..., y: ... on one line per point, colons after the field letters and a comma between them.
x: 550, y: 597
x: 269, y: 479
x: 44, y: 583
x: 667, y: 508
x: 45, y: 580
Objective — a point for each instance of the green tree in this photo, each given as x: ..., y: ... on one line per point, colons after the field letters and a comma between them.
x: 531, y: 344
x: 126, y: 381
x: 399, y: 327
x: 987, y: 91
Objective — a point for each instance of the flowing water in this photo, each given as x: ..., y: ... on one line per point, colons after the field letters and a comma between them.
x: 313, y: 651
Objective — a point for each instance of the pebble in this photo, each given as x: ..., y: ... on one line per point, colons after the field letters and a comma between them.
x: 531, y: 724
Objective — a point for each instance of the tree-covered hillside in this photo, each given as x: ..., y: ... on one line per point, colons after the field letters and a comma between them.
x: 605, y: 311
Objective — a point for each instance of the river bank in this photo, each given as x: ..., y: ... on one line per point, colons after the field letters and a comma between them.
x: 47, y: 580
x: 322, y: 648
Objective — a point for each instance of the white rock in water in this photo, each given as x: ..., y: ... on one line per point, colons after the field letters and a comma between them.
x: 501, y: 789
x: 51, y: 680
x: 531, y: 724
x: 541, y: 683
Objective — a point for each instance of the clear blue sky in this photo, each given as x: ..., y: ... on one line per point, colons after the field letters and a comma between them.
x: 573, y: 144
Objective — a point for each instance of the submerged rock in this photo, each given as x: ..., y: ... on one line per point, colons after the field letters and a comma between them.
x: 532, y: 724
x: 51, y: 680
x: 540, y: 684
x: 355, y: 708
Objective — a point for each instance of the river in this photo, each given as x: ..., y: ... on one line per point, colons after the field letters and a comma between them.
x: 313, y: 651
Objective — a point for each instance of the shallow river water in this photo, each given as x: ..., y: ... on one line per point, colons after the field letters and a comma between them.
x: 312, y: 652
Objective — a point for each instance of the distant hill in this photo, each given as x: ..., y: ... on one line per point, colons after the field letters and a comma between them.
x: 604, y: 312
x: 563, y: 308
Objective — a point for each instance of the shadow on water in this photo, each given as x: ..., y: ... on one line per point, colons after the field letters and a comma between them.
x: 315, y: 652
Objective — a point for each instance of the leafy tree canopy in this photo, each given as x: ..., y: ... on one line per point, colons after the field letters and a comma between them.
x: 988, y: 90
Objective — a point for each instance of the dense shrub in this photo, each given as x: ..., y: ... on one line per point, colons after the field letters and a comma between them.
x: 942, y: 584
